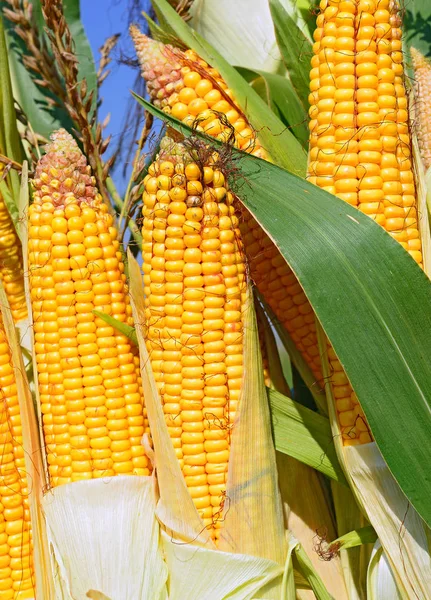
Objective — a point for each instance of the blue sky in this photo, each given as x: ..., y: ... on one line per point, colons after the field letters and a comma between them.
x: 101, y: 19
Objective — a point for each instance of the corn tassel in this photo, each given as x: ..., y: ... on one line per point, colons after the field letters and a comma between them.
x: 92, y: 407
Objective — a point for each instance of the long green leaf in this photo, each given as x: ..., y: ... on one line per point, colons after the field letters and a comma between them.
x: 280, y: 143
x: 10, y: 143
x: 304, y: 435
x: 278, y: 93
x: 295, y: 49
x: 417, y: 25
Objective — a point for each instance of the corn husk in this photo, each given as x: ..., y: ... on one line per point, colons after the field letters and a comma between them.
x: 104, y: 538
x: 401, y: 531
x: 252, y: 535
x: 32, y: 456
x: 381, y: 584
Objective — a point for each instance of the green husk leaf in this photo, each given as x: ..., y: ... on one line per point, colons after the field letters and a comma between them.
x: 304, y: 435
x: 279, y: 94
x: 123, y: 328
x: 295, y: 49
x: 310, y: 574
x: 279, y: 142
x: 365, y: 535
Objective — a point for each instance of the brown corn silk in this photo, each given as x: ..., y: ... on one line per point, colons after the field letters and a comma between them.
x: 11, y: 263
x: 360, y: 144
x: 194, y: 282
x: 185, y: 86
x: 422, y: 104
x: 88, y: 373
x: 16, y: 559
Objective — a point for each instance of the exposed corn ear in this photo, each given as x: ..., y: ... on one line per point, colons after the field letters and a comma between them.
x: 188, y: 88
x: 92, y: 407
x: 194, y: 277
x: 16, y: 553
x: 422, y: 103
x: 360, y: 143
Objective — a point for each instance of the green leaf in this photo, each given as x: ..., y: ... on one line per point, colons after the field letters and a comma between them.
x: 368, y: 294
x: 307, y: 569
x: 295, y: 49
x: 10, y: 143
x: 279, y: 94
x: 123, y: 328
x: 365, y: 535
x: 417, y: 25
x: 44, y: 118
x: 304, y: 435
x: 279, y: 142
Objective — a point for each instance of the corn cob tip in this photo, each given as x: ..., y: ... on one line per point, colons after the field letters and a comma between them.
x: 160, y: 67
x: 63, y: 174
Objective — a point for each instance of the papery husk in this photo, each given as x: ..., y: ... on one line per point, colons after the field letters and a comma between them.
x: 381, y: 584
x: 252, y: 522
x: 354, y: 561
x: 104, y: 538
x: 401, y: 531
x: 32, y: 456
x: 309, y: 518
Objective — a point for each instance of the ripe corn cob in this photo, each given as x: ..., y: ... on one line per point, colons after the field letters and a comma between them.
x: 422, y: 88
x: 360, y: 146
x: 194, y: 294
x: 16, y: 560
x: 184, y: 85
x: 11, y: 264
x: 92, y: 407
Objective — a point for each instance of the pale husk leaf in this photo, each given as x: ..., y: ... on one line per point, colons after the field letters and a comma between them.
x: 422, y: 190
x: 32, y: 456
x: 381, y: 584
x: 355, y: 560
x: 196, y: 572
x: 253, y: 516
x: 400, y: 529
x: 248, y: 38
x: 308, y: 516
x: 104, y: 537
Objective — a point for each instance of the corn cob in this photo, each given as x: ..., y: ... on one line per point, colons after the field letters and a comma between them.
x: 16, y: 560
x: 422, y: 88
x: 184, y: 85
x: 92, y: 407
x: 194, y: 294
x: 11, y: 265
x: 360, y: 146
